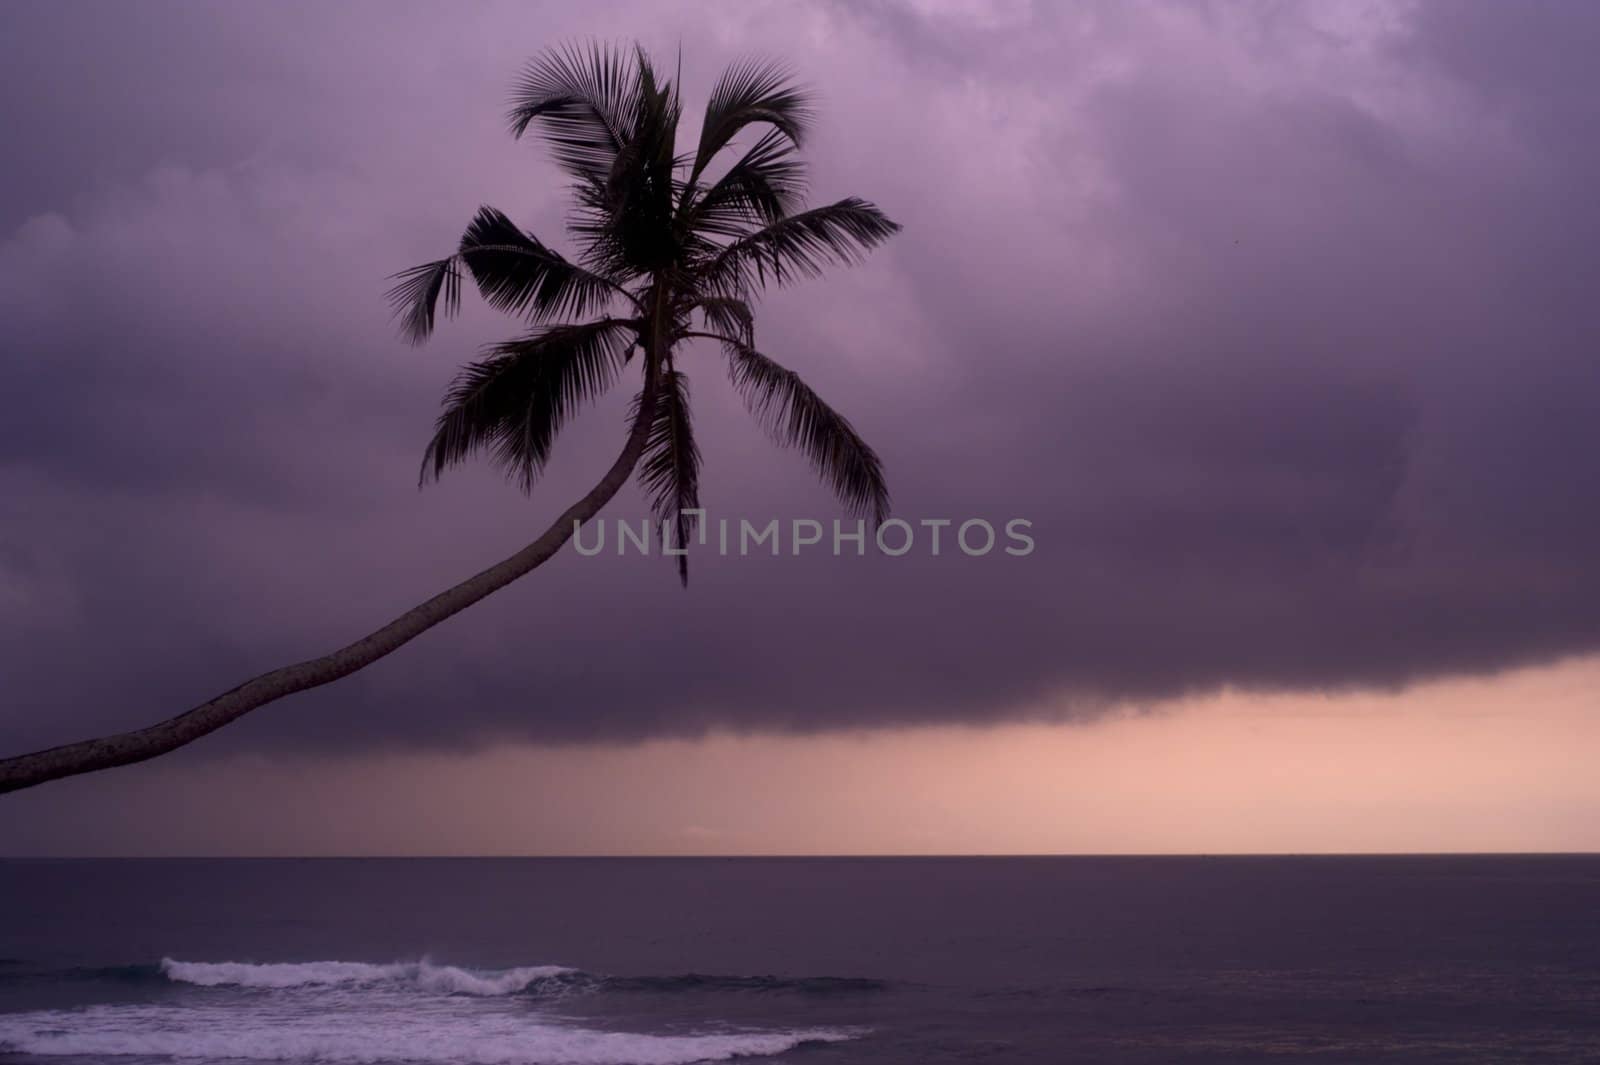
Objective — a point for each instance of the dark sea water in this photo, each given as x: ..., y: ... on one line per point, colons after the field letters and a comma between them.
x: 818, y: 961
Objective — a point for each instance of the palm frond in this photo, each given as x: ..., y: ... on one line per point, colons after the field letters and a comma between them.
x: 623, y: 218
x: 764, y: 185
x: 516, y: 272
x: 727, y: 317
x: 670, y: 468
x: 586, y: 100
x: 750, y: 92
x: 415, y: 296
x: 640, y: 192
x: 799, y: 245
x: 515, y: 401
x: 797, y: 417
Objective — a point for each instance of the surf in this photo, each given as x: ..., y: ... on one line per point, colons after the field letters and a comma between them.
x: 359, y: 1037
x: 422, y: 975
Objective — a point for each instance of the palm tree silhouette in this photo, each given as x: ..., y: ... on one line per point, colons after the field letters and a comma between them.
x: 671, y: 251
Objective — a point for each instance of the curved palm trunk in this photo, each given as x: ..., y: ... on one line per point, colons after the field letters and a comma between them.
x: 126, y: 748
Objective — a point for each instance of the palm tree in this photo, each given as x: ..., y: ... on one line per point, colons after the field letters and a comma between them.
x: 672, y: 247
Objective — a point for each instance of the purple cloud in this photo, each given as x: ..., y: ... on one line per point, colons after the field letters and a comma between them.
x: 1276, y: 322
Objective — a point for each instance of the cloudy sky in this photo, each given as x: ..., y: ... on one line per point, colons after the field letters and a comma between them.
x: 1276, y: 321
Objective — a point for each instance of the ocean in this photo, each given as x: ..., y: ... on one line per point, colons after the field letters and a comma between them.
x: 817, y: 961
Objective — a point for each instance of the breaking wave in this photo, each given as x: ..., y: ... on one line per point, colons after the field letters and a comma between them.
x: 388, y: 1035
x: 428, y: 977
x: 416, y: 1013
x: 440, y: 979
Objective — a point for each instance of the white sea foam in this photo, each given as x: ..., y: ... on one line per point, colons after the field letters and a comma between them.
x: 475, y: 1035
x: 442, y: 979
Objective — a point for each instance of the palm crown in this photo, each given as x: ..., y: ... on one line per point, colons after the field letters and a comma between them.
x: 672, y: 248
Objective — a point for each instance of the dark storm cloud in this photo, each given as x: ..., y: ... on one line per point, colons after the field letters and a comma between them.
x: 1276, y: 321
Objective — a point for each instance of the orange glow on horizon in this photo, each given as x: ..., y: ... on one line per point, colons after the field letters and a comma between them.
x: 1503, y: 764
